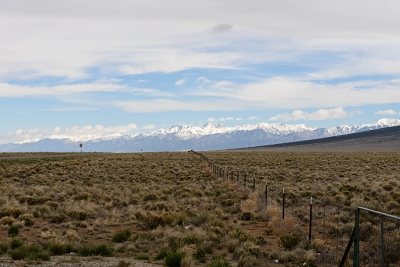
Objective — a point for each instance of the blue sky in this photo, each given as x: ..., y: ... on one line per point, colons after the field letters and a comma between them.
x: 105, y: 67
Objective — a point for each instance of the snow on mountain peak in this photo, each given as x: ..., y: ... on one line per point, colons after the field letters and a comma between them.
x: 386, y: 122
x: 187, y: 132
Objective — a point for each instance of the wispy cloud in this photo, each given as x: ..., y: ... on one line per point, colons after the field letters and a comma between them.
x: 180, y: 82
x: 212, y: 119
x: 271, y: 94
x: 386, y: 112
x: 226, y: 119
x: 322, y: 114
x: 252, y: 118
x: 149, y: 127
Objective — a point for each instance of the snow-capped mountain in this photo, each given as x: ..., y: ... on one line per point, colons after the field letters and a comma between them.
x: 186, y: 137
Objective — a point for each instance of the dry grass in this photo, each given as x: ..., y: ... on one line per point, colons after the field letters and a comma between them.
x: 172, y: 203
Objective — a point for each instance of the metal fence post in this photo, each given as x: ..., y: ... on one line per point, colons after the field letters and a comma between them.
x: 283, y: 203
x: 266, y: 194
x: 356, y: 256
x: 382, y: 243
x: 244, y: 181
x: 309, y: 230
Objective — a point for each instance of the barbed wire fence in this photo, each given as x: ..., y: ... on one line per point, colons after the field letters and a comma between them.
x: 328, y: 225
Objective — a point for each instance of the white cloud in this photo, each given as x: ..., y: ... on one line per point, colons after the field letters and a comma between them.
x: 78, y: 40
x: 149, y: 127
x: 66, y: 91
x: 180, y: 82
x: 211, y: 119
x: 291, y: 93
x: 226, y: 119
x: 88, y: 131
x: 238, y: 119
x: 69, y: 39
x: 386, y: 112
x: 203, y: 80
x: 322, y: 114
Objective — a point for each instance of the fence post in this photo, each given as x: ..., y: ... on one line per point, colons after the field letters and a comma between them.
x: 266, y: 195
x: 283, y: 203
x: 254, y: 183
x: 356, y: 239
x: 309, y: 230
x: 382, y: 243
x: 244, y: 180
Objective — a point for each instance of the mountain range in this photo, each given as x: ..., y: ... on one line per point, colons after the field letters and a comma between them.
x: 187, y: 137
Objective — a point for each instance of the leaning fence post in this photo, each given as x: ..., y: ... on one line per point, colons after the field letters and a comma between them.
x: 309, y: 230
x: 356, y: 239
x: 382, y: 243
x: 283, y: 203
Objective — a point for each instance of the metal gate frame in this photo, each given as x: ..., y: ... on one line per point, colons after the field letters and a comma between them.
x: 355, y: 237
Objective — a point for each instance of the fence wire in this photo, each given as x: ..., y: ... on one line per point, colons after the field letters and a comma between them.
x: 331, y: 226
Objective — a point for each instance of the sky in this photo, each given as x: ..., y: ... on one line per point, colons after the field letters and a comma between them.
x: 122, y: 67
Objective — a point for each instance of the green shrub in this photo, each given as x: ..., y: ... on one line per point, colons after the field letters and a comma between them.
x: 13, y: 230
x: 99, y: 250
x: 58, y: 248
x: 174, y: 259
x: 16, y: 243
x: 219, y: 262
x: 142, y: 257
x: 289, y: 241
x: 3, y: 248
x: 121, y: 236
x: 31, y: 252
x: 191, y: 239
x: 162, y: 254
